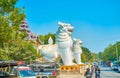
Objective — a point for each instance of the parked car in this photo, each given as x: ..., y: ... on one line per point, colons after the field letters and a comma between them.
x: 4, y: 74
x: 22, y: 72
x: 115, y: 67
x: 46, y: 69
x: 5, y: 67
x: 119, y: 69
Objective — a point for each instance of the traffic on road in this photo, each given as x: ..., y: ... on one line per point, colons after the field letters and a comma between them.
x: 111, y: 70
x: 51, y: 70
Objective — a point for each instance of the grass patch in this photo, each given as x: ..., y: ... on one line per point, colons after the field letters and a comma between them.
x: 52, y: 77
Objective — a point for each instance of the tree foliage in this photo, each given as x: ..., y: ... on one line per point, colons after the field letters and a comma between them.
x: 88, y: 56
x: 44, y: 38
x: 111, y: 52
x: 12, y: 43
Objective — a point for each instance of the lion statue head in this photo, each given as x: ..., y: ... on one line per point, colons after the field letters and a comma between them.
x: 63, y: 35
x: 77, y: 42
x: 65, y: 27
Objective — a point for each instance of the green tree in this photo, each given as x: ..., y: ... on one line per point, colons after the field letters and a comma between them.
x: 12, y: 43
x: 86, y: 55
x: 44, y: 38
x: 111, y: 52
x: 10, y: 19
x: 83, y: 57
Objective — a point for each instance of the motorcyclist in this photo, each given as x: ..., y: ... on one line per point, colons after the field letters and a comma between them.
x: 88, y: 73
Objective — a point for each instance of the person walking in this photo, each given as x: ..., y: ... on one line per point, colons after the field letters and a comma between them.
x: 97, y: 72
x: 88, y: 73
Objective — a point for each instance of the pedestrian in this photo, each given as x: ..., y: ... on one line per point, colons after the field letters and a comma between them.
x: 97, y: 72
x: 88, y: 73
x: 92, y: 69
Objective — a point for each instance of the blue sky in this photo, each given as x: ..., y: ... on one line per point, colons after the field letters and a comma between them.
x: 96, y: 22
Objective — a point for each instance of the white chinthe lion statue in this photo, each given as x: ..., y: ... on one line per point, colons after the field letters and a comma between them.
x: 77, y: 50
x: 64, y: 46
x: 64, y: 42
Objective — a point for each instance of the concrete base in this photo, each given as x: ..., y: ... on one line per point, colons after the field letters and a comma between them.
x: 71, y: 76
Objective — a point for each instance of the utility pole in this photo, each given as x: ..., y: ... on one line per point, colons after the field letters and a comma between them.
x: 116, y: 52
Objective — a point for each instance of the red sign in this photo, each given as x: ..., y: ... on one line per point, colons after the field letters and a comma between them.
x: 19, y: 62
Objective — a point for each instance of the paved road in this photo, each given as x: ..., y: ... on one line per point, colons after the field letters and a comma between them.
x: 106, y: 72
